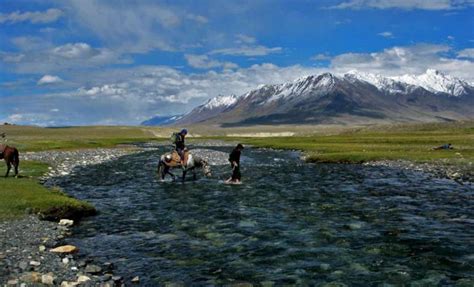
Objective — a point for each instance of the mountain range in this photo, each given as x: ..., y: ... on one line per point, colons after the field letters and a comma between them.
x: 350, y: 98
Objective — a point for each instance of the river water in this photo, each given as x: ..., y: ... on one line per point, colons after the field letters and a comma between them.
x: 289, y: 223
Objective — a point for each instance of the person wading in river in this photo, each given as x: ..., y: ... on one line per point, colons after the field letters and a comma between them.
x: 178, y: 141
x: 234, y: 159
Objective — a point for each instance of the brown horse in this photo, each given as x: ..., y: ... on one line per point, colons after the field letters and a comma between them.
x: 11, y: 156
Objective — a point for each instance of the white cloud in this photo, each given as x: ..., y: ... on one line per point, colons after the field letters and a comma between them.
x: 466, y: 53
x: 386, y: 34
x: 37, y: 17
x: 40, y: 57
x: 204, y: 62
x: 249, y: 51
x: 49, y: 80
x: 404, y: 4
x: 75, y: 50
x: 245, y: 39
x: 321, y: 57
x: 405, y: 59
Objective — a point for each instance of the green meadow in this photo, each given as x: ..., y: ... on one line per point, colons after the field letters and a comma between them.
x: 25, y: 195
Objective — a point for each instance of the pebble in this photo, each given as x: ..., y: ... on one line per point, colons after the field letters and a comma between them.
x: 65, y: 249
x: 47, y: 279
x: 66, y: 222
x: 35, y: 263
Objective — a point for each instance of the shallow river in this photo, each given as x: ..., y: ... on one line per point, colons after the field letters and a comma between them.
x: 290, y: 223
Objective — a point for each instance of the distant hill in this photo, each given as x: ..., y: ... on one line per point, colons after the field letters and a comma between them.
x: 160, y: 120
x: 351, y: 98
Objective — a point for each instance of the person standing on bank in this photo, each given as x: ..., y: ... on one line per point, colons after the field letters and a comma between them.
x: 234, y: 159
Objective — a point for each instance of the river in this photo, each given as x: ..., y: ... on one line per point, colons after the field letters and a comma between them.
x: 289, y: 223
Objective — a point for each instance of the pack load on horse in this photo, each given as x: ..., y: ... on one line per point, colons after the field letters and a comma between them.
x: 180, y: 157
x: 11, y: 157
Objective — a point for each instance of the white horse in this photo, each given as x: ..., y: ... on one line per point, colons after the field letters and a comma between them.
x: 169, y: 161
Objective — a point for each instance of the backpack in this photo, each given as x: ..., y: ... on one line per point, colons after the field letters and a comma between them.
x: 174, y: 138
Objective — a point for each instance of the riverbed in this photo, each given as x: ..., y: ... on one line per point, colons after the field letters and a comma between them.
x: 289, y: 223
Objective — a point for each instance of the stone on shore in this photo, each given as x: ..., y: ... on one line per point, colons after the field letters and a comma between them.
x: 31, y: 277
x: 47, y: 279
x: 65, y: 249
x: 66, y: 222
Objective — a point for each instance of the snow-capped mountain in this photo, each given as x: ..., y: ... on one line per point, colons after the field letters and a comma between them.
x: 209, y: 109
x: 353, y: 97
x: 437, y: 82
x: 218, y: 102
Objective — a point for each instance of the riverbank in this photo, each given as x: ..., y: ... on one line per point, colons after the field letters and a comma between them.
x: 408, y: 147
x: 26, y: 241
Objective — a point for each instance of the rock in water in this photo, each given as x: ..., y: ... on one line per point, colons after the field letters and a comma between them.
x: 66, y: 222
x: 93, y: 269
x: 136, y: 279
x: 65, y: 249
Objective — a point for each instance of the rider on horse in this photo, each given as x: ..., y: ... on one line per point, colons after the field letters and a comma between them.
x: 178, y: 141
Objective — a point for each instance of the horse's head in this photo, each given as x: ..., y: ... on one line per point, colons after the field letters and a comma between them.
x: 206, y: 168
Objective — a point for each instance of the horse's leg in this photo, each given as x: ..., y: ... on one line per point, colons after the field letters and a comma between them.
x: 194, y: 174
x: 9, y: 166
x: 183, y: 178
x: 167, y: 170
x: 16, y: 162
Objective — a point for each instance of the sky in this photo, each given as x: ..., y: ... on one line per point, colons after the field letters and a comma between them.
x: 117, y: 62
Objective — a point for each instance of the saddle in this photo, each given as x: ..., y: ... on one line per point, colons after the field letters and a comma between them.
x: 173, y: 159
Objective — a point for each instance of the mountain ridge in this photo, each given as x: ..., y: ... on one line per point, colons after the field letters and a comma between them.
x: 343, y: 98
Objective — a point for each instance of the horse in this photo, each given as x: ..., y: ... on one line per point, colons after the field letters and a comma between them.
x: 192, y: 162
x: 11, y: 157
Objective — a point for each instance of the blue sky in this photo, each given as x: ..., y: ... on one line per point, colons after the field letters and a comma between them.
x: 83, y: 62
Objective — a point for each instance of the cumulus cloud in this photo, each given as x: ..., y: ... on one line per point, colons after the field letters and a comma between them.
x: 37, y: 17
x: 75, y: 50
x: 405, y: 59
x: 404, y: 4
x: 40, y: 57
x: 49, y: 80
x: 466, y: 53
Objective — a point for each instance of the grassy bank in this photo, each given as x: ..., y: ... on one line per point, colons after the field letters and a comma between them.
x: 36, y: 139
x: 407, y: 142
x: 26, y: 195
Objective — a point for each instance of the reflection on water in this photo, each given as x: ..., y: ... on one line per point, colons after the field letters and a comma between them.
x: 290, y: 223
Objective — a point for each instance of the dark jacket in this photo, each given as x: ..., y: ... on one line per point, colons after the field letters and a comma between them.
x: 235, y: 156
x: 179, y: 141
